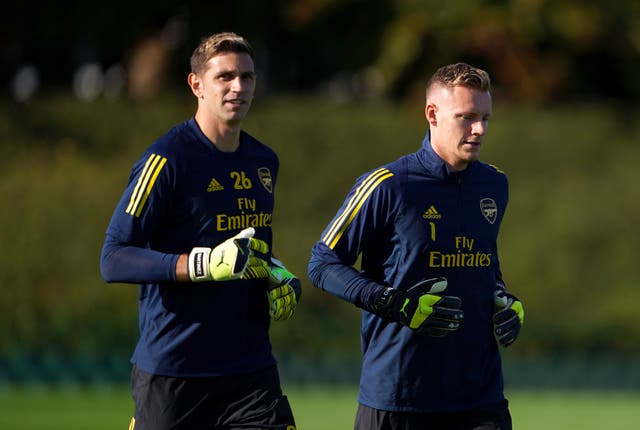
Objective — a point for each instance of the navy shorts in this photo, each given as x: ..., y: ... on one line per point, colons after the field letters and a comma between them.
x: 251, y: 401
x: 491, y: 417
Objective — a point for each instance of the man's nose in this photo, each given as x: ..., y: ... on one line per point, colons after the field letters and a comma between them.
x: 479, y: 127
x: 237, y: 85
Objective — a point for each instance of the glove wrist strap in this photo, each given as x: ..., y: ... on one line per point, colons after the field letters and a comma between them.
x: 199, y: 265
x: 383, y: 304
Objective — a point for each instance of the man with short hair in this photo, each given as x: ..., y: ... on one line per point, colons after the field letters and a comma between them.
x: 193, y: 228
x: 434, y: 303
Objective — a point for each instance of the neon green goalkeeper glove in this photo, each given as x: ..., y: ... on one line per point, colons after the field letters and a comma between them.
x: 283, y: 293
x: 508, y: 316
x: 232, y: 259
x: 421, y: 308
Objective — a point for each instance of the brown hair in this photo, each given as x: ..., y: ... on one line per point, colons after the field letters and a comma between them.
x: 216, y: 44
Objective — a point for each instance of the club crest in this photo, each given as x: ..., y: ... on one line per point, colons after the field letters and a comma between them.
x: 489, y: 210
x: 265, y: 178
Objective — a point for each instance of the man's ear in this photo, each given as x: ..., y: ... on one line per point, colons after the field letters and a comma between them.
x: 195, y: 84
x: 430, y: 113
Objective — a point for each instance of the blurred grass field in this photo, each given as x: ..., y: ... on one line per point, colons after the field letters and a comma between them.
x: 316, y: 408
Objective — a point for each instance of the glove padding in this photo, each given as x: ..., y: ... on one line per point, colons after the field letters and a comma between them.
x: 256, y: 268
x: 283, y: 293
x: 421, y: 308
x: 232, y: 259
x: 507, y: 318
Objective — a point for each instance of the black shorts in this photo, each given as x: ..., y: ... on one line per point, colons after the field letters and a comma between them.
x: 491, y: 417
x: 252, y: 401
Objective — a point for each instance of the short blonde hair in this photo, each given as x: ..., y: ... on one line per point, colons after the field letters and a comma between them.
x: 216, y: 44
x: 460, y: 74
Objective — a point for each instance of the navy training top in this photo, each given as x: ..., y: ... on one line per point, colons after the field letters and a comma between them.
x: 413, y: 219
x: 182, y: 193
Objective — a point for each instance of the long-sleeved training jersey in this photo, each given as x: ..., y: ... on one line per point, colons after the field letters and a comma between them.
x: 413, y: 219
x: 182, y: 193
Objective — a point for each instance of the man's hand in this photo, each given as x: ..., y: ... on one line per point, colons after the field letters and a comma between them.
x: 507, y: 318
x: 229, y: 260
x: 284, y: 292
x: 421, y: 308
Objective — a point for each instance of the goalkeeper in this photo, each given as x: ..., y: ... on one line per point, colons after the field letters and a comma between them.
x: 193, y: 229
x: 435, y: 309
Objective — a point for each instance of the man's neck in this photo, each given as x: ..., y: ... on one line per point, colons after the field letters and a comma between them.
x: 225, y: 137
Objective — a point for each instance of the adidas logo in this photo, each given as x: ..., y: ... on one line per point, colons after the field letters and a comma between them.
x: 214, y: 186
x: 431, y: 213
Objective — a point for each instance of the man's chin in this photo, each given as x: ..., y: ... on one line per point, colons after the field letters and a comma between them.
x: 235, y: 119
x: 472, y: 155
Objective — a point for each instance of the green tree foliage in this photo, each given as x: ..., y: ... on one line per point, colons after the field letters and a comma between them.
x: 536, y: 50
x: 543, y: 50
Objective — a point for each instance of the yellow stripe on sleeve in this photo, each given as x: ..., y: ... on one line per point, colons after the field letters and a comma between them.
x: 340, y: 224
x: 496, y: 167
x: 147, y: 178
x: 141, y: 181
x: 352, y: 202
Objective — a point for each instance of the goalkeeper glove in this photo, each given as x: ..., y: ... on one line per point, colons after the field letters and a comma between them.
x: 283, y: 293
x: 232, y: 259
x: 507, y: 318
x: 421, y: 308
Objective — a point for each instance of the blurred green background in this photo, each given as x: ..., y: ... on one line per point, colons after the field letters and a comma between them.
x: 87, y: 88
